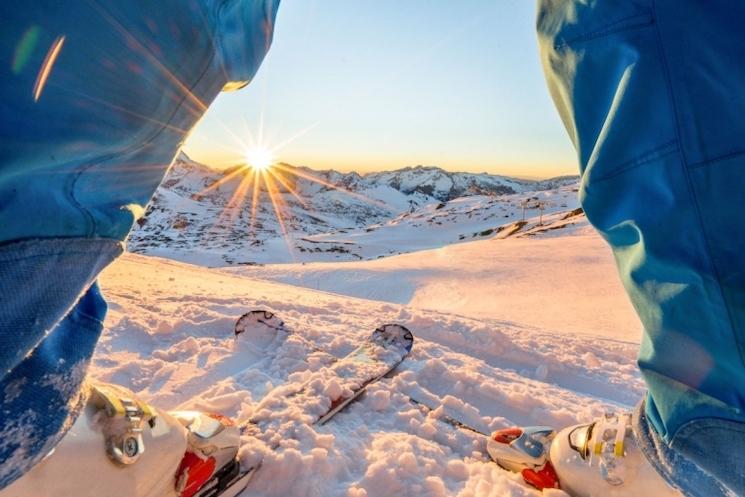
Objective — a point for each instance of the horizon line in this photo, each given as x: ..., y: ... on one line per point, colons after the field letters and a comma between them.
x: 381, y: 171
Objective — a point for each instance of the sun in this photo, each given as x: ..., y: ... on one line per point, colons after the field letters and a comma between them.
x: 259, y: 158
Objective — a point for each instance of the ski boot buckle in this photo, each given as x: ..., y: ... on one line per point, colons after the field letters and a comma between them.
x: 127, y: 416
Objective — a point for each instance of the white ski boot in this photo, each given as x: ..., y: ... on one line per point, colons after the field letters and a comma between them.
x: 600, y: 459
x: 603, y: 459
x: 122, y: 447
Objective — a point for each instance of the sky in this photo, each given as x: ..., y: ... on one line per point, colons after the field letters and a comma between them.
x: 373, y: 85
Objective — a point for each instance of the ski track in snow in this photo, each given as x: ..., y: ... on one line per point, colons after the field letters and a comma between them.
x: 169, y: 338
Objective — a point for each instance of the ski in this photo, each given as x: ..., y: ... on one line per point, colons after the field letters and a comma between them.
x: 447, y: 419
x: 260, y: 338
x: 258, y: 323
x: 343, y: 381
x: 513, y: 449
x: 257, y: 319
x: 522, y: 450
x: 328, y: 391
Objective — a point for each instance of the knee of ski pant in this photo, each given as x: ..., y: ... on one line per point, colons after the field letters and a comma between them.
x: 41, y: 396
x: 703, y: 460
x: 83, y: 157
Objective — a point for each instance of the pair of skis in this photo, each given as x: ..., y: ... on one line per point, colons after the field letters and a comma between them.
x: 324, y: 394
x: 343, y: 380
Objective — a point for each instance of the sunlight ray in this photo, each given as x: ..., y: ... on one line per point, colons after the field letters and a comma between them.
x: 276, y: 204
x: 222, y: 181
x: 254, y: 202
x: 144, y: 51
x: 131, y: 113
x: 294, y: 137
x: 232, y: 209
x: 248, y: 133
x: 228, y: 148
x: 242, y: 145
x: 289, y: 188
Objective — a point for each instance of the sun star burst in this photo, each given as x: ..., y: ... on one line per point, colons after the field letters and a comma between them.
x: 259, y: 158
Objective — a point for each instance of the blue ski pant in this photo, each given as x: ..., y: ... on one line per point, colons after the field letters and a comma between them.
x: 652, y: 94
x: 96, y: 97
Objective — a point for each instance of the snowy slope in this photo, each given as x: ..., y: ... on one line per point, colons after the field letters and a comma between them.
x: 208, y: 217
x: 439, y: 224
x: 168, y: 338
x: 495, y: 278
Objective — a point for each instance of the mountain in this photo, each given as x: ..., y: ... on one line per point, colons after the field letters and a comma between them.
x: 229, y: 217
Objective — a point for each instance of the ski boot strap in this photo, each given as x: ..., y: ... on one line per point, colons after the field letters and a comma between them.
x: 608, y: 435
x: 609, y: 448
x: 127, y: 416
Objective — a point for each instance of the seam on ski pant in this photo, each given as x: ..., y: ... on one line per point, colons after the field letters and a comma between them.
x: 654, y: 154
x: 93, y: 228
x: 721, y: 158
x: 609, y: 29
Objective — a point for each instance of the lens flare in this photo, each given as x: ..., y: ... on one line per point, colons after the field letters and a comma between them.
x: 46, y: 67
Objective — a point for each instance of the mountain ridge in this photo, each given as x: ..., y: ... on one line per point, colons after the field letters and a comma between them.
x: 184, y: 157
x: 292, y: 213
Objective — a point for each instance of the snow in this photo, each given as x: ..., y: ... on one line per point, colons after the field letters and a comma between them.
x: 498, y: 279
x: 522, y: 330
x: 519, y: 319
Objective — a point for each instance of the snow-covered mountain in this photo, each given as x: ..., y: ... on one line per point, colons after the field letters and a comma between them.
x: 228, y: 217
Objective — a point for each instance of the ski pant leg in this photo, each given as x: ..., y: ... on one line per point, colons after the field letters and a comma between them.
x: 651, y: 93
x: 42, y: 395
x: 96, y: 98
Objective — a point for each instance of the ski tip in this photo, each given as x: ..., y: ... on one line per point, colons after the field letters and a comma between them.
x: 257, y: 318
x: 394, y: 334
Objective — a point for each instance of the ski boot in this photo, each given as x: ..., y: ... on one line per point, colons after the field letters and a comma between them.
x: 590, y: 460
x: 121, y: 446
